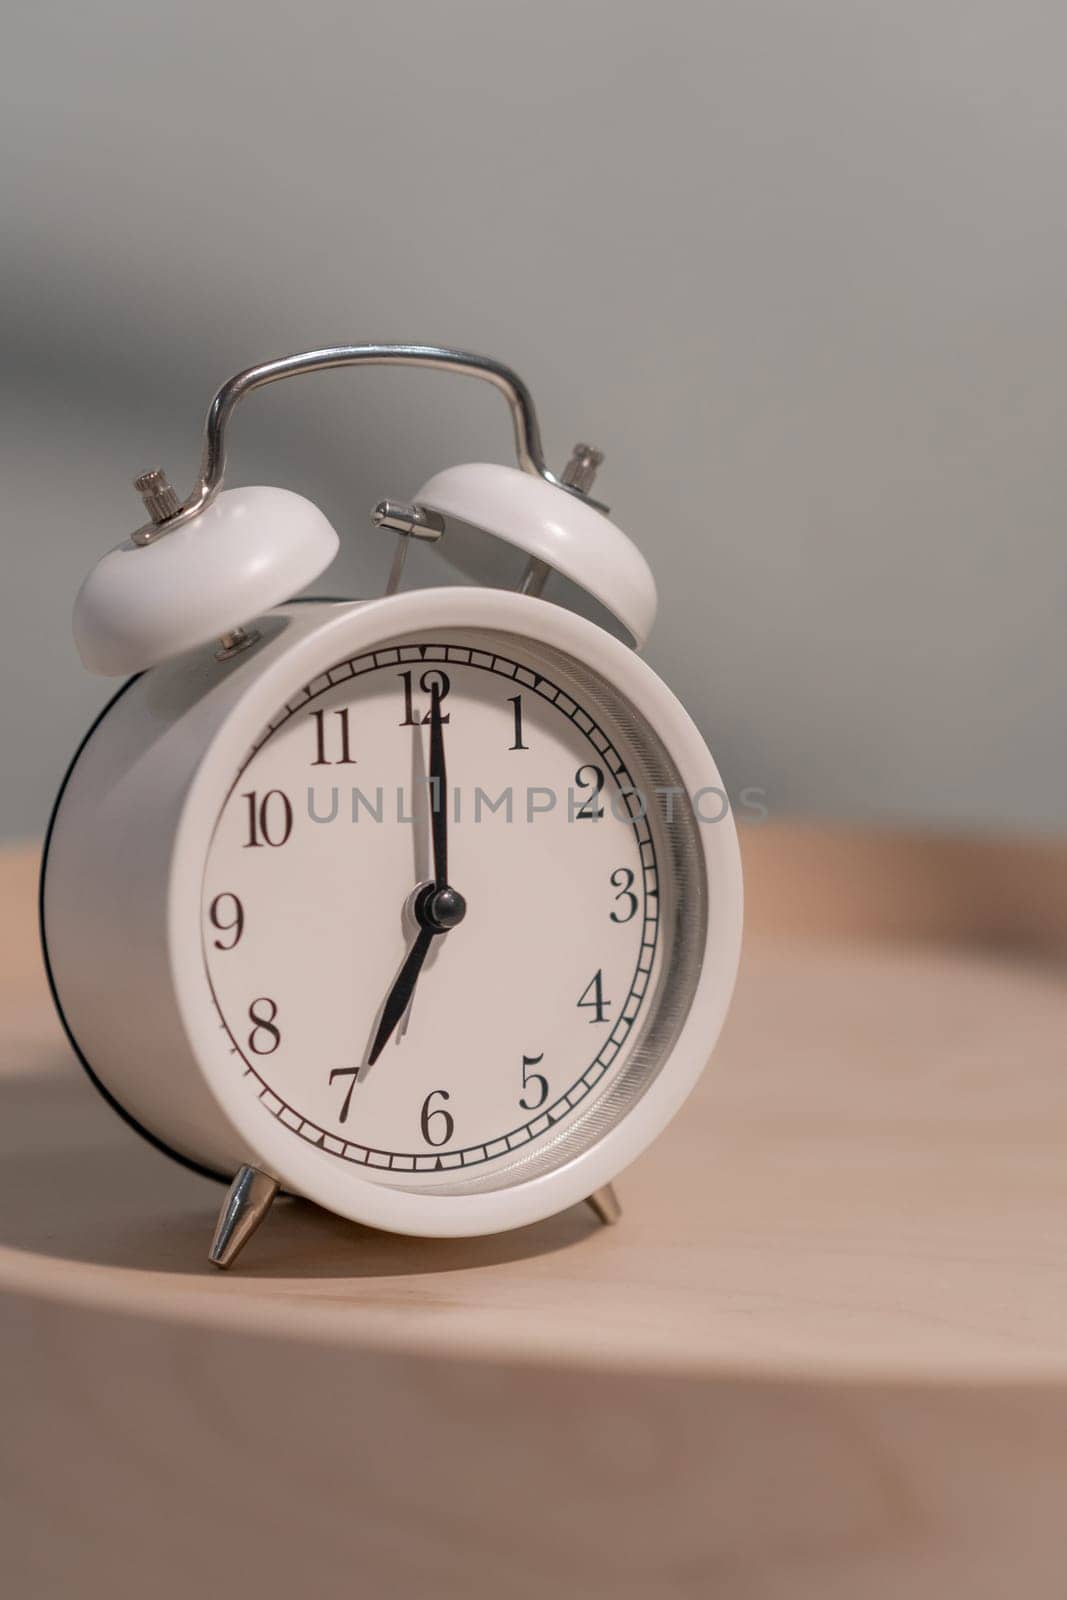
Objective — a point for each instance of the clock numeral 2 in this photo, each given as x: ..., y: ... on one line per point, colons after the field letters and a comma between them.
x: 590, y: 810
x: 235, y: 925
x: 346, y: 758
x: 429, y: 1117
x: 529, y: 1078
x: 270, y: 820
x: 593, y: 997
x: 622, y: 879
x: 430, y: 683
x: 516, y: 701
x: 265, y: 1036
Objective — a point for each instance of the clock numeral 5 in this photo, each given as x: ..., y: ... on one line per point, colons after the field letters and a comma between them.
x: 236, y: 923
x: 346, y: 758
x: 529, y: 1078
x: 436, y: 1119
x: 427, y: 683
x: 265, y: 1036
x: 622, y: 879
x: 270, y: 820
x: 593, y: 997
x: 590, y: 810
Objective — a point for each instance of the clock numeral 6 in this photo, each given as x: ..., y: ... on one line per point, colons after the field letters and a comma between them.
x: 436, y: 1118
x: 622, y: 879
x: 429, y: 683
x: 270, y: 820
x: 590, y: 809
x: 529, y: 1078
x: 593, y: 997
x: 265, y: 1036
x: 235, y: 923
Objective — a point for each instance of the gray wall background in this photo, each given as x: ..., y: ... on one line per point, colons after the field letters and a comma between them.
x: 798, y: 268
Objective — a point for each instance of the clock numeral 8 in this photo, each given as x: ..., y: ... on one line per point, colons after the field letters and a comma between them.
x: 265, y: 1036
x: 235, y: 925
x: 430, y: 1114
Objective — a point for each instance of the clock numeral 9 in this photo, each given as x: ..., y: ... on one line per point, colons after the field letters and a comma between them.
x: 435, y: 1118
x: 270, y: 820
x: 235, y: 923
x: 346, y: 758
x: 593, y: 997
x: 430, y: 683
x: 590, y: 810
x: 538, y: 1078
x: 265, y: 1036
x: 622, y: 879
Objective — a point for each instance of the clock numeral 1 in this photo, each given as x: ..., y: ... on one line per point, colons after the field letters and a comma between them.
x: 235, y: 924
x: 516, y: 701
x: 590, y: 810
x: 593, y: 997
x: 346, y: 758
x: 429, y: 1115
x: 351, y: 1073
x: 430, y: 683
x: 529, y: 1078
x: 270, y: 820
x: 622, y: 879
x: 265, y: 1036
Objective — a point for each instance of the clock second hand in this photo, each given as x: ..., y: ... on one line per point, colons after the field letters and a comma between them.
x: 438, y: 907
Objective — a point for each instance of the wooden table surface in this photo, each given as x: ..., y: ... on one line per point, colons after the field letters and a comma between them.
x: 824, y: 1353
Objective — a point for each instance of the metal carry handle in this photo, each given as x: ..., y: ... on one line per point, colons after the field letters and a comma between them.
x: 169, y: 513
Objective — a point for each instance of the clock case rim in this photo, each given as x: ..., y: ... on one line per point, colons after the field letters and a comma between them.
x: 358, y: 626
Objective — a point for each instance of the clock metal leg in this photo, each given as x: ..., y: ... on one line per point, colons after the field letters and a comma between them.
x: 605, y: 1204
x: 246, y: 1204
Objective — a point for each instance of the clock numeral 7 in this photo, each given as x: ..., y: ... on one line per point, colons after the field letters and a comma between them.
x: 352, y: 1074
x: 429, y: 683
x: 593, y: 997
x: 236, y: 923
x: 270, y: 820
x: 529, y: 1078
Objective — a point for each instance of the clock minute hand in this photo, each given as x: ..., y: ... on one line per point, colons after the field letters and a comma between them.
x: 439, y: 792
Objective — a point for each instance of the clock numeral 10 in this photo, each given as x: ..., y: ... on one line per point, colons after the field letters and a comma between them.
x: 225, y: 922
x: 346, y: 758
x: 270, y: 820
x: 593, y: 997
x: 430, y: 683
x: 538, y: 1078
x: 437, y: 1124
x: 265, y: 1036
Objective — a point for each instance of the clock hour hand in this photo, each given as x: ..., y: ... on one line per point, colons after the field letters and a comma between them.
x: 436, y: 911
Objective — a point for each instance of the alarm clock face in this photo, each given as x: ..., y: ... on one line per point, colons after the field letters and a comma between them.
x: 540, y: 1018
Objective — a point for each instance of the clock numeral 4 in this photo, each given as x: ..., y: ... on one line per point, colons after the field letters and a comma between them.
x: 432, y: 682
x: 265, y: 1036
x: 270, y: 819
x: 323, y: 741
x: 591, y: 808
x: 623, y: 880
x: 529, y: 1078
x: 437, y: 1124
x: 593, y: 997
x: 226, y: 922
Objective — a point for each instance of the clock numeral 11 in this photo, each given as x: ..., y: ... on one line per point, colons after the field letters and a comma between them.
x: 346, y: 758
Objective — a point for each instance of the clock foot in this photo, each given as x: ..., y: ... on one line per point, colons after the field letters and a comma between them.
x: 246, y: 1204
x: 605, y: 1204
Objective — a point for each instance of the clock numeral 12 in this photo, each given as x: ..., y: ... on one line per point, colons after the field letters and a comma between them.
x: 270, y: 820
x: 593, y: 997
x: 430, y: 683
x: 346, y: 758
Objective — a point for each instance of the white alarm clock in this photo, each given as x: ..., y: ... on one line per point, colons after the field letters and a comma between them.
x: 426, y: 908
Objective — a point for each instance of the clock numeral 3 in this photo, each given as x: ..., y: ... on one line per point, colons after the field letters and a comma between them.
x: 429, y: 683
x: 622, y: 879
x: 235, y: 924
x: 270, y: 820
x: 538, y: 1078
x: 435, y: 1118
x: 590, y: 810
x: 593, y: 997
x: 516, y: 701
x: 265, y: 1036
x: 346, y: 758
